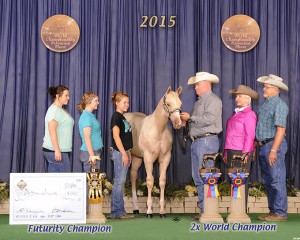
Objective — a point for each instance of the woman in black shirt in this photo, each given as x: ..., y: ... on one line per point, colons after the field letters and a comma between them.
x: 120, y: 153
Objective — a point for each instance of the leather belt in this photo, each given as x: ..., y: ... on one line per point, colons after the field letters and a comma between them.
x: 261, y: 143
x: 202, y: 136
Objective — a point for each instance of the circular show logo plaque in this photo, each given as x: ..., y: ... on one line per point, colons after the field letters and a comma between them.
x: 240, y: 33
x: 60, y: 33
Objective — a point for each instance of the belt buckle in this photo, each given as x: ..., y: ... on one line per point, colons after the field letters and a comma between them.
x: 261, y: 143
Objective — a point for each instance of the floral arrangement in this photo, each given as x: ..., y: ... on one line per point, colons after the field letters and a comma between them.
x: 4, y: 191
x: 106, y: 187
x: 191, y: 190
x: 224, y: 188
x: 257, y: 189
x: 173, y: 192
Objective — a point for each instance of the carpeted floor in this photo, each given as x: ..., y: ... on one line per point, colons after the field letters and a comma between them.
x: 175, y: 226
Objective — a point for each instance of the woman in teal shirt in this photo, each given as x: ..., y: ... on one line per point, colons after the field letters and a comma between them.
x: 90, y: 131
x: 58, y: 131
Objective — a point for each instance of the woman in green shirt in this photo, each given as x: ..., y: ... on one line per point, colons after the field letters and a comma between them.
x: 58, y: 131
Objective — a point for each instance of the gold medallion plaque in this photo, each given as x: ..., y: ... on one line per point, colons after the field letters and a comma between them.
x: 60, y: 33
x: 240, y: 33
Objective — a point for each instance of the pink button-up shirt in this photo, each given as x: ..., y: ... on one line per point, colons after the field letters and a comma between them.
x: 240, y: 131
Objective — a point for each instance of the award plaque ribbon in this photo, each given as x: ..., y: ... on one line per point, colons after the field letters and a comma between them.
x: 211, y: 179
x: 237, y: 180
x: 60, y: 33
x: 240, y: 33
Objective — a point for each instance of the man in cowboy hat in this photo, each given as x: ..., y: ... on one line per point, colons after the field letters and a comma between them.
x: 270, y: 133
x: 205, y: 123
x: 240, y: 129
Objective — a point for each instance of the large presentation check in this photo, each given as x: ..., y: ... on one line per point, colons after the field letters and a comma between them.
x: 47, y: 198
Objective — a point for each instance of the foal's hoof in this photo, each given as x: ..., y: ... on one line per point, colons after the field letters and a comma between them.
x: 136, y: 212
x: 163, y: 215
x: 150, y: 215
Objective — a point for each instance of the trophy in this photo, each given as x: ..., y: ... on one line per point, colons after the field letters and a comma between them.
x: 238, y: 176
x: 95, y: 179
x: 210, y: 177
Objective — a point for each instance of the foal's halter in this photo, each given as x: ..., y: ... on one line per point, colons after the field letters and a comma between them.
x: 166, y: 108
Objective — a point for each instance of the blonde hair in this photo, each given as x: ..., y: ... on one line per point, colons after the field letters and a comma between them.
x: 85, y: 100
x: 117, y: 97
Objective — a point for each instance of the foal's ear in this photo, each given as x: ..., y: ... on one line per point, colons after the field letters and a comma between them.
x: 179, y: 90
x: 168, y: 90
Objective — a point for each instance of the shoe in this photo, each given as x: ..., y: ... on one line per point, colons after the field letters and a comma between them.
x: 276, y: 218
x: 263, y: 217
x: 126, y: 217
x: 196, y: 217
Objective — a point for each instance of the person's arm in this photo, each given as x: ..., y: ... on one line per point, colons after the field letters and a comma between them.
x: 212, y: 110
x: 225, y: 160
x: 254, y: 151
x: 280, y: 117
x: 52, y: 126
x: 88, y: 141
x: 118, y: 141
x: 249, y: 132
x: 184, y: 116
x: 280, y: 132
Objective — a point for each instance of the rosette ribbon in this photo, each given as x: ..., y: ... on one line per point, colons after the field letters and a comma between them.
x: 211, y: 179
x: 237, y: 181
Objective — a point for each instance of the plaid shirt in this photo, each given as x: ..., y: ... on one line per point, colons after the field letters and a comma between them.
x: 272, y: 113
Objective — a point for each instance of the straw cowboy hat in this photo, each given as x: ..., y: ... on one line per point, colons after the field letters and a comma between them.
x: 273, y: 80
x: 203, y: 76
x: 242, y: 89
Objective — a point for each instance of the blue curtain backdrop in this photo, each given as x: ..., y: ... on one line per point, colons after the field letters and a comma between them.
x: 115, y: 54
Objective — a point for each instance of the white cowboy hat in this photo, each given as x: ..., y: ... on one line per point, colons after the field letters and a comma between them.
x: 273, y: 80
x: 242, y: 89
x: 203, y: 76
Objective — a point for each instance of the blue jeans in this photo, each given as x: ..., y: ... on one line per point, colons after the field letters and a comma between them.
x: 200, y: 147
x: 58, y: 166
x: 84, y: 158
x: 274, y: 178
x: 120, y: 173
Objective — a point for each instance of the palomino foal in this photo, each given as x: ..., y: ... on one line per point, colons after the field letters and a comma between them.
x: 152, y: 140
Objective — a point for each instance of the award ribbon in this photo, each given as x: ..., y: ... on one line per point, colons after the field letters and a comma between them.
x: 212, y: 180
x: 237, y: 181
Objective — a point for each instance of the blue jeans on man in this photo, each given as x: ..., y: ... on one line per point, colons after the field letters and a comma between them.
x: 274, y: 178
x: 206, y: 145
x: 120, y: 173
